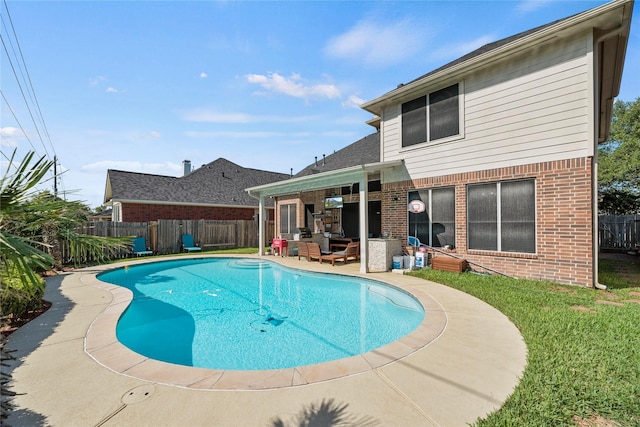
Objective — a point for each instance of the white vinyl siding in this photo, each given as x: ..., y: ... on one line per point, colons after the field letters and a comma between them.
x: 521, y: 111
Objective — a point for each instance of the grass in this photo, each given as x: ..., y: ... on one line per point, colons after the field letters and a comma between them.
x: 583, y: 355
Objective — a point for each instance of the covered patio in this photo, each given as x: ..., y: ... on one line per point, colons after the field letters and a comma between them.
x: 342, y: 177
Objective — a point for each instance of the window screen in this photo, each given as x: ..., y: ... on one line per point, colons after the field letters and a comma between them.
x: 501, y: 216
x: 436, y: 226
x: 414, y: 122
x: 442, y: 116
x: 443, y: 113
x: 482, y: 217
x: 443, y: 217
x: 518, y: 216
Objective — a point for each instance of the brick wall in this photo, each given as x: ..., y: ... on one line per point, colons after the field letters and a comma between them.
x: 141, y: 212
x: 563, y: 219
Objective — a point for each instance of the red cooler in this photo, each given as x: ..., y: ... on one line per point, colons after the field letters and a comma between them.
x: 280, y: 246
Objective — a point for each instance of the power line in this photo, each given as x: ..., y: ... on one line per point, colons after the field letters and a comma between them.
x: 24, y: 97
x: 17, y: 121
x: 30, y: 100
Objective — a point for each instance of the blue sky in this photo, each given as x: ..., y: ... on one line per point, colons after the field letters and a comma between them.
x: 142, y: 86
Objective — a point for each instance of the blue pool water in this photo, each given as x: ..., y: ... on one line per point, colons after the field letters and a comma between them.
x: 247, y: 314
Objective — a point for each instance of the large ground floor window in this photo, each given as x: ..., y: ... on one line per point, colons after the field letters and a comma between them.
x: 501, y: 216
x: 436, y: 225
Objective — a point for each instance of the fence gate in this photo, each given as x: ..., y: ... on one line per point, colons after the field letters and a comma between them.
x: 619, y: 232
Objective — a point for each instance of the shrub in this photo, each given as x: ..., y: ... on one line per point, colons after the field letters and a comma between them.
x: 18, y: 297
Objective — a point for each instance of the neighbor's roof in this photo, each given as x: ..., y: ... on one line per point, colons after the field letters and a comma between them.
x: 220, y: 182
x: 351, y: 164
x: 363, y: 151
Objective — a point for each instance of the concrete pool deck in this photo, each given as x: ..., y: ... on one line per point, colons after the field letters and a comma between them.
x: 461, y: 364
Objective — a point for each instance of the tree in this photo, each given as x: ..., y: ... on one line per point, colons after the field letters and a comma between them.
x: 619, y: 161
x: 32, y: 228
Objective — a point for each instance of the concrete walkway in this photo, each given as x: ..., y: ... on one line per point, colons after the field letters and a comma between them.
x: 468, y: 368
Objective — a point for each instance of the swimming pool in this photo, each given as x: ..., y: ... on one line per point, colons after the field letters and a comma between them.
x: 249, y: 314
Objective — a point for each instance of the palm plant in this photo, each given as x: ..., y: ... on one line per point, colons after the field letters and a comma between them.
x: 32, y: 227
x: 20, y: 256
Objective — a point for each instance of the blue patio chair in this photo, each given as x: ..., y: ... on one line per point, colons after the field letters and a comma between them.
x: 414, y: 241
x: 188, y: 245
x: 139, y: 247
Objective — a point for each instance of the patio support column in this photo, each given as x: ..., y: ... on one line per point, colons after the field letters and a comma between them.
x: 364, y: 222
x: 262, y: 218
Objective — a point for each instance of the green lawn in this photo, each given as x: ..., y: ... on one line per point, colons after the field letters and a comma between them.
x: 583, y: 354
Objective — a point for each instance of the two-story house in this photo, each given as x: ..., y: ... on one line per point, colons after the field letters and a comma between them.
x: 501, y: 147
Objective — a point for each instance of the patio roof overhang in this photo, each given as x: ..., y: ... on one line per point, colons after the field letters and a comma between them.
x: 336, y: 178
x: 322, y: 180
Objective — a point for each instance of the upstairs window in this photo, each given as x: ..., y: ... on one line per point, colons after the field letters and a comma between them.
x: 431, y: 117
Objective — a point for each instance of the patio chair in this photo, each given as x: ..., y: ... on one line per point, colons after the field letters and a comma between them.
x: 352, y: 251
x: 303, y: 250
x: 139, y: 247
x: 313, y: 252
x: 188, y: 245
x: 414, y: 241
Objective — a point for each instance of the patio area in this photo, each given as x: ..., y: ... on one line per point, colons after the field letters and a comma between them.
x: 462, y: 363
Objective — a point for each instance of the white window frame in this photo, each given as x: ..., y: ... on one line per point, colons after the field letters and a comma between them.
x: 291, y: 221
x: 116, y: 212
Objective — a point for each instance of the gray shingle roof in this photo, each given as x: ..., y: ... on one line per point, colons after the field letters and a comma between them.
x: 220, y: 182
x: 364, y: 151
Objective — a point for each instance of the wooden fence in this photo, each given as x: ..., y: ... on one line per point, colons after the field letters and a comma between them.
x: 165, y: 236
x: 619, y: 232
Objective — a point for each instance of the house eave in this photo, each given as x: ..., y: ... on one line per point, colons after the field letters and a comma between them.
x: 322, y: 180
x: 161, y: 202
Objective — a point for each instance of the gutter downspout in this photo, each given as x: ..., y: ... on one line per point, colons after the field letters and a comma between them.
x: 594, y: 167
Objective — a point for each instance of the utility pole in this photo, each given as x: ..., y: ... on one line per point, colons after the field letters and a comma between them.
x: 55, y: 177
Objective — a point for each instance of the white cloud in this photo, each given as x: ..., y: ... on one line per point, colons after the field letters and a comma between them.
x: 101, y: 81
x: 148, y: 136
x: 203, y: 75
x: 353, y: 101
x: 9, y: 136
x: 213, y: 116
x: 95, y: 81
x: 241, y: 134
x: 528, y: 6
x: 210, y: 116
x: 293, y: 86
x: 10, y: 131
x: 379, y: 44
x: 166, y: 168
